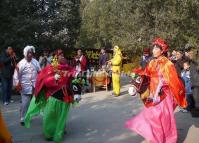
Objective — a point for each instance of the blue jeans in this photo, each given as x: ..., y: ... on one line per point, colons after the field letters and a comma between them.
x: 6, y: 89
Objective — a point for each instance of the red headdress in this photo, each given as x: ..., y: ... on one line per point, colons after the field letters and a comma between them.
x: 160, y: 42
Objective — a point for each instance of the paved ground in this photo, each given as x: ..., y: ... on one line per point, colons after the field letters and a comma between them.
x: 99, y: 118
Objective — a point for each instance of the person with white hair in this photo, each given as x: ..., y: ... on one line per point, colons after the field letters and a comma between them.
x: 24, y: 79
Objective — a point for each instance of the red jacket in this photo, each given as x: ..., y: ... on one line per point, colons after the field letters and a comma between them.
x: 46, y: 81
x: 82, y: 61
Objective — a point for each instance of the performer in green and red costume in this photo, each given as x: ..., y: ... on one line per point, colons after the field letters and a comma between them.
x: 54, y: 94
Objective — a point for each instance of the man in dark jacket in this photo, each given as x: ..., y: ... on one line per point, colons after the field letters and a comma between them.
x: 103, y: 58
x: 180, y: 58
x: 7, y: 60
x: 194, y: 74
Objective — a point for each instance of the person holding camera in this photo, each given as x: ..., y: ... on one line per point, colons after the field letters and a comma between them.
x: 8, y: 63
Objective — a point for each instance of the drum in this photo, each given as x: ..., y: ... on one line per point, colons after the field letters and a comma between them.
x: 140, y: 84
x: 100, y: 79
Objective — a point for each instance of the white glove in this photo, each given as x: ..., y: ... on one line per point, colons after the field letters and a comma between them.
x: 57, y: 76
x: 77, y: 97
x: 132, y: 90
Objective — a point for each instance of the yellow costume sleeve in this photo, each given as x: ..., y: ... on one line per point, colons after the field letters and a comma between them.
x: 116, y: 61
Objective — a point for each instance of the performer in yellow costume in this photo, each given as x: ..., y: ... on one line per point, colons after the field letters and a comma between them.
x: 5, y: 136
x: 116, y: 63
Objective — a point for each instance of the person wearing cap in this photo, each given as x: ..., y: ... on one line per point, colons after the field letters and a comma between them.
x: 116, y: 63
x: 145, y: 58
x: 7, y: 61
x: 24, y: 79
x: 156, y: 122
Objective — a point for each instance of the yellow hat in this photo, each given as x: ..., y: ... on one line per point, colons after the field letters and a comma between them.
x: 117, y: 50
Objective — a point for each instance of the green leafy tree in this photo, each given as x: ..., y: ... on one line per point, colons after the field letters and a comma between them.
x: 43, y: 23
x: 133, y: 24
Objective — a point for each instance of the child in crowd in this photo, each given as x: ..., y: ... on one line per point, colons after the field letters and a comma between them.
x: 185, y: 74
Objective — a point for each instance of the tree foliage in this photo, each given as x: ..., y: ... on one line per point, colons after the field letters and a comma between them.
x: 44, y: 23
x: 133, y: 24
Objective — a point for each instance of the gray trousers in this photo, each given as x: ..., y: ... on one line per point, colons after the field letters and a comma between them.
x: 25, y: 98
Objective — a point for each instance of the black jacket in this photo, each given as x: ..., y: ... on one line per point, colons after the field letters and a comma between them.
x: 7, y: 68
x: 194, y: 74
x: 179, y: 66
